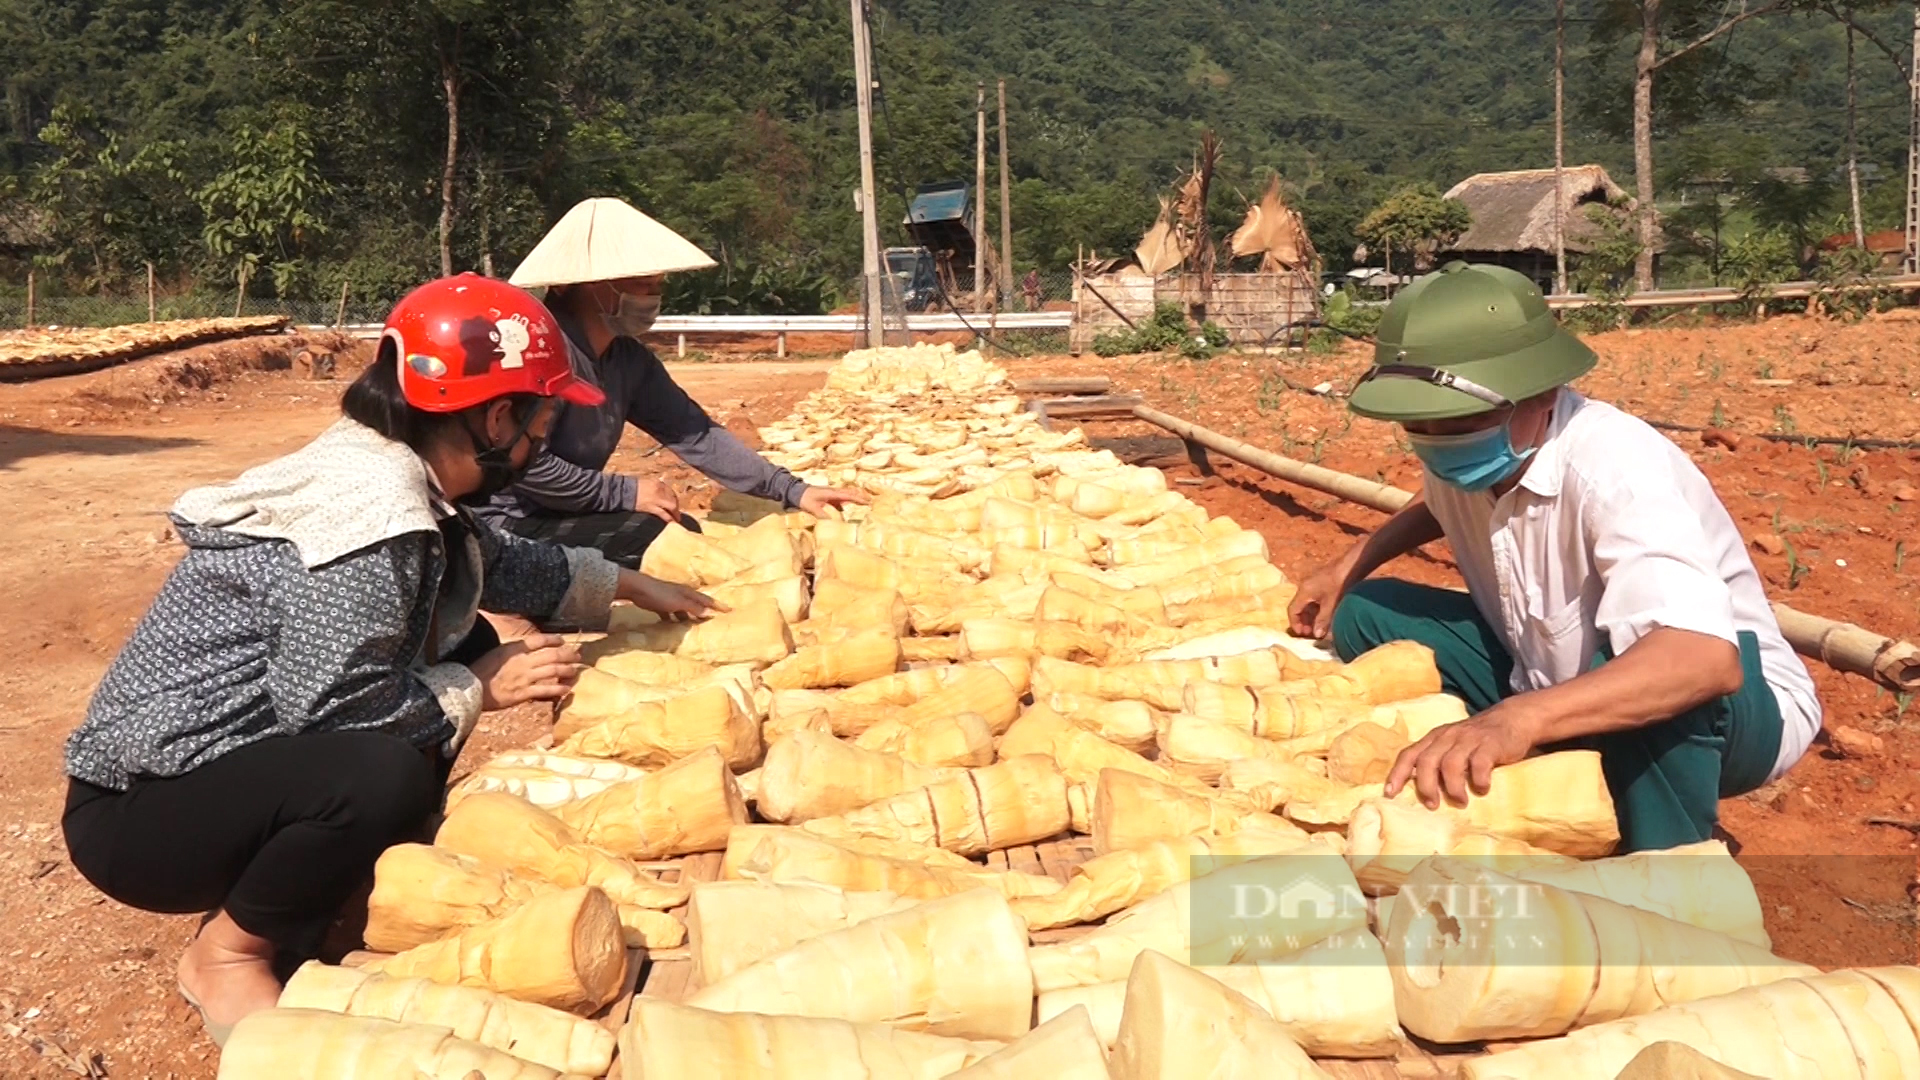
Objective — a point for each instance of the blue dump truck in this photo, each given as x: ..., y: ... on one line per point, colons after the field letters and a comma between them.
x: 940, y: 221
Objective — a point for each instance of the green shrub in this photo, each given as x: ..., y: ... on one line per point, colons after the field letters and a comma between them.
x: 1166, y: 330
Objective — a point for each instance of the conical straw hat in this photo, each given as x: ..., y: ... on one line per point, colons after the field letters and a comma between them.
x: 604, y: 240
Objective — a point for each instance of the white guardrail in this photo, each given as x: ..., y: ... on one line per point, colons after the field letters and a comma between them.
x: 684, y: 326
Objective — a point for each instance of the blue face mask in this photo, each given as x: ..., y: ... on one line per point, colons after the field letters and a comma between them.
x: 1474, y: 461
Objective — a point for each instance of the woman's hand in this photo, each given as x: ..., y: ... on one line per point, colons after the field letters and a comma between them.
x: 658, y: 498
x: 818, y: 500
x: 539, y: 667
x: 665, y: 597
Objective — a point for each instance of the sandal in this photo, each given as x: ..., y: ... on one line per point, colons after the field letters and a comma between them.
x: 217, y: 1032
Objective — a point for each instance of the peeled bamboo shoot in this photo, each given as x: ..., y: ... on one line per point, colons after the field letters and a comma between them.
x: 732, y: 924
x: 535, y: 1033
x: 963, y: 739
x: 1334, y: 999
x: 1018, y: 801
x: 1286, y: 903
x: 309, y: 1044
x: 1855, y: 1023
x: 687, y: 807
x: 1107, y: 883
x: 543, y: 779
x: 808, y: 775
x: 1480, y: 955
x: 1178, y: 1023
x: 500, y: 830
x: 679, y: 554
x: 650, y: 736
x: 955, y: 966
x: 785, y: 855
x: 1063, y: 1048
x: 1131, y: 810
x: 855, y: 658
x: 561, y: 949
x: 664, y: 1041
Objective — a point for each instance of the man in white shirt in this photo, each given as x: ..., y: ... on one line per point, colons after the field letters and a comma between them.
x: 1610, y: 601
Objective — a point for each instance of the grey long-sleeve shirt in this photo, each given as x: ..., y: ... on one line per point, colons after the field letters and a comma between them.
x: 568, y: 478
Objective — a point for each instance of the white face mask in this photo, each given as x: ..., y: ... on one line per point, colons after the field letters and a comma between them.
x: 631, y: 315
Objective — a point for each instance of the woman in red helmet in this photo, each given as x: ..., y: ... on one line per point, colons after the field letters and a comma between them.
x: 292, y: 703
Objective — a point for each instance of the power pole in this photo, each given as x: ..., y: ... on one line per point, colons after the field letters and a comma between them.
x: 1559, y: 146
x: 981, y: 246
x: 869, y: 213
x: 1913, y: 152
x: 1006, y: 203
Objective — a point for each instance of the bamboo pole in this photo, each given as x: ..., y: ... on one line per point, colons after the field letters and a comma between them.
x: 981, y: 245
x: 1006, y: 202
x: 152, y: 307
x: 340, y: 315
x: 30, y: 298
x: 1889, y: 662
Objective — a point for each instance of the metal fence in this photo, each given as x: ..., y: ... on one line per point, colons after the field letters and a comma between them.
x: 120, y: 310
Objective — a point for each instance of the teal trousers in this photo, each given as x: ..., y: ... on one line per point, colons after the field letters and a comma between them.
x: 1667, y: 779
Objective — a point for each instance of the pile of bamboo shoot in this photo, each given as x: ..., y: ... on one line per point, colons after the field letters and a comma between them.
x: 1023, y: 639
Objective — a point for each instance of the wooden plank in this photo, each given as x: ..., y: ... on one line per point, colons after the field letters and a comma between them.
x: 1090, y: 384
x: 670, y: 971
x: 1104, y: 406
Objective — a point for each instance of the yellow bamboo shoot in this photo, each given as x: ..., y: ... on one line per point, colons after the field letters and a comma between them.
x: 309, y: 1044
x: 561, y: 949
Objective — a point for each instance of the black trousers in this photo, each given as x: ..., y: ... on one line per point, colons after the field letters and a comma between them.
x: 622, y: 537
x: 279, y: 833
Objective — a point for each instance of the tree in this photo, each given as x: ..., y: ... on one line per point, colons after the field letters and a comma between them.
x: 112, y: 206
x: 1669, y: 31
x: 1416, y: 218
x: 261, y: 207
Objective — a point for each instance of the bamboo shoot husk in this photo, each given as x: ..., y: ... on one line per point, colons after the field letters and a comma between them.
x: 733, y: 924
x: 1143, y: 604
x: 1334, y: 999
x: 1396, y: 671
x: 1063, y: 1048
x: 664, y: 1041
x: 1066, y: 606
x: 500, y: 830
x: 1243, y: 639
x: 1168, y: 922
x: 544, y: 779
x: 1194, y: 747
x: 955, y: 966
x: 1018, y: 801
x: 1013, y: 561
x: 856, y: 658
x: 686, y: 807
x: 1855, y: 1023
x: 808, y: 776
x: 767, y: 543
x: 1107, y: 883
x: 423, y: 893
x: 1414, y: 717
x: 1222, y: 607
x: 930, y: 650
x: 561, y: 949
x: 1178, y: 1023
x: 1530, y: 960
x: 1280, y: 782
x: 961, y: 740
x: 681, y: 555
x: 840, y: 602
x: 650, y: 736
x: 785, y: 855
x: 535, y: 1033
x: 311, y: 1044
x: 1130, y: 810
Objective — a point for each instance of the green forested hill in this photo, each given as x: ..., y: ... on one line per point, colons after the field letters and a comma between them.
x: 309, y: 136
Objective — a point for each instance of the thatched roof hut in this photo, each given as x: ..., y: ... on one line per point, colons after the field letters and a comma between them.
x: 1513, y: 216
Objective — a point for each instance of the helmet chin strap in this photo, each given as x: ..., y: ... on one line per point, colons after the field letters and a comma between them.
x: 497, y: 471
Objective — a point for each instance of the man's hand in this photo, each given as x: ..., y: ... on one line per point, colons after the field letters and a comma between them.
x: 817, y: 500
x: 1310, y: 615
x: 1457, y: 760
x: 666, y: 598
x: 539, y: 667
x: 657, y: 498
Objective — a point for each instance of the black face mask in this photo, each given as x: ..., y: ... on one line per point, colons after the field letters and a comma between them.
x: 497, y: 470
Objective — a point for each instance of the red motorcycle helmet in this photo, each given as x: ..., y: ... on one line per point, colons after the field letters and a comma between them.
x: 466, y: 340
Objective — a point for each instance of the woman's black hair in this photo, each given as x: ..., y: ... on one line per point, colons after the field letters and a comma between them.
x: 374, y: 399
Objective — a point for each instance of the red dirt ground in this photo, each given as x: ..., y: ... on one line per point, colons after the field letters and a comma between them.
x: 89, y: 465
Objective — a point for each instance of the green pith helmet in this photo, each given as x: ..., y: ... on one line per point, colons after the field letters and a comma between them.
x: 1458, y: 341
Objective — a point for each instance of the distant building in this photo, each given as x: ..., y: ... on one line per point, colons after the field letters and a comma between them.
x: 1513, y: 217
